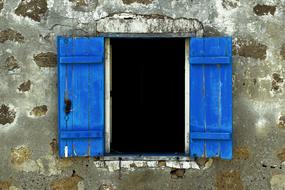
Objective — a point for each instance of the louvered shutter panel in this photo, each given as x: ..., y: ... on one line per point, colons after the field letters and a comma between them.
x: 211, y: 97
x: 81, y: 96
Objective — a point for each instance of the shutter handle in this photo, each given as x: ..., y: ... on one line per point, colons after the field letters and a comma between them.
x: 67, y: 106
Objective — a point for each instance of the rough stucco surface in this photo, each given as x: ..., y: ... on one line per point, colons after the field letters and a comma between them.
x: 28, y: 127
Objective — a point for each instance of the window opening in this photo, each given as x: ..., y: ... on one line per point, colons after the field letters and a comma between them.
x: 148, y: 95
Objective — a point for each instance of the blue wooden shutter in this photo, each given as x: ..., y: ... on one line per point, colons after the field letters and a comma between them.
x: 81, y: 96
x: 211, y: 97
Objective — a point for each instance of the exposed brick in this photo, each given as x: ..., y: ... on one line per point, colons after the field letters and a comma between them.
x: 25, y: 86
x: 11, y: 35
x: 211, y: 31
x: 39, y: 111
x: 106, y: 187
x: 229, y: 180
x: 54, y: 146
x: 48, y: 59
x: 11, y: 64
x: 33, y: 9
x: 227, y: 4
x: 5, y: 185
x: 282, y: 51
x: 67, y: 183
x: 79, y: 2
x: 1, y: 4
x: 204, y: 163
x: 261, y: 10
x: 277, y: 182
x: 277, y: 77
x: 249, y: 48
x: 276, y: 82
x: 281, y: 155
x: 146, y: 2
x: 177, y: 173
x: 7, y: 115
x: 201, y: 161
x: 20, y: 154
x: 241, y: 153
x: 281, y: 123
x: 65, y: 162
x: 162, y: 163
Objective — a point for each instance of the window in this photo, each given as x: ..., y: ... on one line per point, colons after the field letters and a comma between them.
x: 145, y: 96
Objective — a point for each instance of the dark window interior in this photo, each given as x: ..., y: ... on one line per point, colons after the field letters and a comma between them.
x: 148, y: 95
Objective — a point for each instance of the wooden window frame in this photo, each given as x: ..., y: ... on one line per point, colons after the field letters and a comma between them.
x: 108, y: 106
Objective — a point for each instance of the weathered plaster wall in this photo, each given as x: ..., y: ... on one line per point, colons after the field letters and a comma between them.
x: 28, y: 96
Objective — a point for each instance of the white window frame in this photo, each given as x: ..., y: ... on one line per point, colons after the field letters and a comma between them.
x: 108, y: 107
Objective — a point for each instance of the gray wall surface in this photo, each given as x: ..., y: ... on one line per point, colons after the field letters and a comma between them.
x: 28, y: 95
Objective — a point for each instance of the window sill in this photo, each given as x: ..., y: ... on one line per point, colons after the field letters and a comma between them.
x: 147, y: 157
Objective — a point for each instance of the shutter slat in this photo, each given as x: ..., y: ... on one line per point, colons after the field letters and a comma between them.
x: 210, y: 60
x: 81, y: 134
x: 211, y: 111
x: 68, y: 123
x: 197, y: 110
x: 80, y: 120
x: 210, y: 136
x: 96, y: 106
x: 61, y: 115
x: 82, y: 59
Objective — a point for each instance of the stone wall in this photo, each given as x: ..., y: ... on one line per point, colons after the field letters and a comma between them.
x: 28, y: 96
